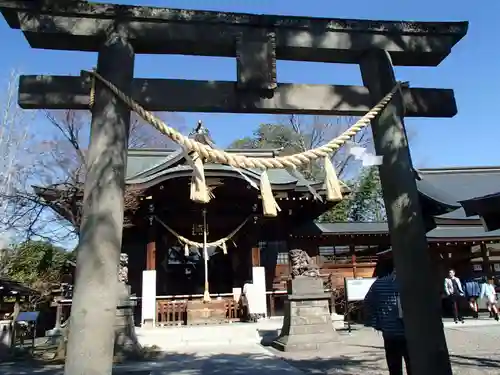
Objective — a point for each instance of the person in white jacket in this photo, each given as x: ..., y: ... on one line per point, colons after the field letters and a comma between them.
x: 489, y: 293
x: 454, y: 292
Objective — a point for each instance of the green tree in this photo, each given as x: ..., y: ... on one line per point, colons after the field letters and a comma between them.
x: 294, y: 134
x: 340, y: 212
x: 366, y: 202
x: 37, y: 264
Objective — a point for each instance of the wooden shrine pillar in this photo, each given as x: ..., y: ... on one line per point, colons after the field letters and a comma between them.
x: 151, y: 238
x: 149, y: 277
x: 352, y: 252
x: 255, y: 257
x: 151, y: 251
x: 485, y: 254
x: 91, y: 337
x: 419, y: 296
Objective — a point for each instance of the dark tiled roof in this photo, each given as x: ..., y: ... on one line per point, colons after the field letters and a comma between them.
x: 14, y: 287
x: 464, y: 182
x: 458, y: 214
x: 435, y: 193
x: 147, y: 165
x: 144, y: 162
x: 140, y: 161
x: 455, y: 232
x: 449, y: 186
x: 488, y: 207
x: 353, y: 228
x: 460, y: 232
x: 482, y: 204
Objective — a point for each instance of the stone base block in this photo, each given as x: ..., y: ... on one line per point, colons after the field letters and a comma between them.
x: 305, y: 343
x: 307, y: 323
x: 126, y: 343
x: 338, y: 321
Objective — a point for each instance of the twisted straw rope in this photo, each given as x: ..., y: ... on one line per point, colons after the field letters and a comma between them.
x: 189, y: 242
x: 241, y: 161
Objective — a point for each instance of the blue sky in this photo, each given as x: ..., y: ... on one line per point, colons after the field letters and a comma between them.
x: 472, y: 70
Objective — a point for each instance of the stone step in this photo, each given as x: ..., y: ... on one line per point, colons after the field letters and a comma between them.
x: 174, y: 337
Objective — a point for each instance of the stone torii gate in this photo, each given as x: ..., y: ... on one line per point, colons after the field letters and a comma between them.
x: 119, y: 32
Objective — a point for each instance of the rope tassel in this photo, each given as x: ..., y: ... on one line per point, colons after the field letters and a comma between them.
x: 223, y: 246
x: 332, y: 184
x: 186, y: 250
x: 199, y: 189
x: 269, y: 205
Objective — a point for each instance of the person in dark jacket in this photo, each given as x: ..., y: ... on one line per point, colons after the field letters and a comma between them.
x: 383, y: 311
x: 472, y: 291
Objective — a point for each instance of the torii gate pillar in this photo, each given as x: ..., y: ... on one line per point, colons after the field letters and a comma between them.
x: 419, y: 297
x: 96, y: 285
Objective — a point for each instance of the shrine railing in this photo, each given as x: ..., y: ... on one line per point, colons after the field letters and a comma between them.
x: 173, y: 310
x: 346, y: 259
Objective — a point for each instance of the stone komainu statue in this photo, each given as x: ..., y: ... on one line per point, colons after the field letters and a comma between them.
x: 123, y: 269
x: 302, y: 264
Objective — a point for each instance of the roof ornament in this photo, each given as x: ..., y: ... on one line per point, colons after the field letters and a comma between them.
x: 201, y: 134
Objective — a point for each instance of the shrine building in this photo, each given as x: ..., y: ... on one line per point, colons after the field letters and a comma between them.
x: 165, y: 215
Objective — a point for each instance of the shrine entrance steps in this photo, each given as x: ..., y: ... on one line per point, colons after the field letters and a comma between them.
x: 178, y: 337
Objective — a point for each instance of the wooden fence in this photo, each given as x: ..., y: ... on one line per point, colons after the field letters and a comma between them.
x: 172, y: 310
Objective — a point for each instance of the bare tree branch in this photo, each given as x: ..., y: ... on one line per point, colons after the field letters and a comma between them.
x: 45, y: 201
x: 313, y: 131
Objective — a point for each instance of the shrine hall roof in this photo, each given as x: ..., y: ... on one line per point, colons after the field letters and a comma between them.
x: 438, y: 234
x: 450, y: 186
x: 445, y: 186
x: 461, y: 183
x: 11, y: 287
x: 149, y: 166
x: 488, y: 207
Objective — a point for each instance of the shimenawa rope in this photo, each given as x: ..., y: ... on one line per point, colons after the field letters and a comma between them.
x: 219, y: 243
x: 207, y: 153
x: 241, y: 161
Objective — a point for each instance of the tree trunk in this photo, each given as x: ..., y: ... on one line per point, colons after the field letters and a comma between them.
x: 126, y: 344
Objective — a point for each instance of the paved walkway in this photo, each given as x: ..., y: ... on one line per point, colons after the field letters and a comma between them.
x: 234, y: 360
x: 473, y: 351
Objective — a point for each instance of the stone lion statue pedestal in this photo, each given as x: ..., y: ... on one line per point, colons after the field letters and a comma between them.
x: 307, y: 323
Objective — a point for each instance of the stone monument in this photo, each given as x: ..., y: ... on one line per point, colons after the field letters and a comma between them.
x: 126, y: 342
x: 307, y: 324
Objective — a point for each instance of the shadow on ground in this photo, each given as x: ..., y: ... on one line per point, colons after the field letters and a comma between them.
x: 369, y: 360
x: 254, y: 361
x: 351, y: 357
x: 477, y: 361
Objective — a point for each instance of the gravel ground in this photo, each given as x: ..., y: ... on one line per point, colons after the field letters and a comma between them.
x: 473, y: 351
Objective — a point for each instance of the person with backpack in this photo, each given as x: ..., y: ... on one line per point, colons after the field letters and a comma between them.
x: 383, y: 311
